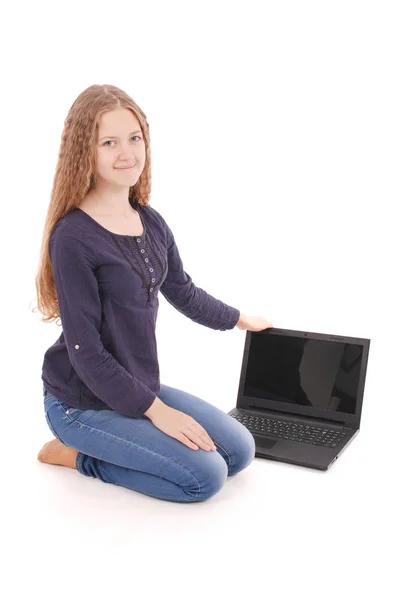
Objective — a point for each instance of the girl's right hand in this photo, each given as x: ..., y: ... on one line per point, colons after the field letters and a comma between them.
x: 182, y: 427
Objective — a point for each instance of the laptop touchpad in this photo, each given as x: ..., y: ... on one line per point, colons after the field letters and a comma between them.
x: 264, y: 442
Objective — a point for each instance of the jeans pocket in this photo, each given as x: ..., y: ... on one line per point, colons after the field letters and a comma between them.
x: 70, y: 412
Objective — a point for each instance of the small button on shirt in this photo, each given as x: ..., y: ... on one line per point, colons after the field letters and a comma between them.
x: 107, y: 288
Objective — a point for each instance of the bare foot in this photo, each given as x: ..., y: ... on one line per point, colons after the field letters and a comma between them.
x: 55, y: 453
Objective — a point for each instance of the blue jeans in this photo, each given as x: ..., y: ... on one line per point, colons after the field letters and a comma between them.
x: 137, y: 455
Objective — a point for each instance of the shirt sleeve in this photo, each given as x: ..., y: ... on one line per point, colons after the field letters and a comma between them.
x: 81, y: 315
x: 192, y: 301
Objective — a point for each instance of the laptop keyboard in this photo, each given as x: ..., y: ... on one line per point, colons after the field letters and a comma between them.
x: 291, y: 431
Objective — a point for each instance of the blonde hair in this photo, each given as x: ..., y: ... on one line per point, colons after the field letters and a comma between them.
x: 75, y: 175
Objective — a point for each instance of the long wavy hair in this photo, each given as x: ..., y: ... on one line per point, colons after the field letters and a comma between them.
x: 75, y: 176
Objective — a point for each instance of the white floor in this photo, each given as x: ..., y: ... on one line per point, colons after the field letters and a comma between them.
x: 274, y: 530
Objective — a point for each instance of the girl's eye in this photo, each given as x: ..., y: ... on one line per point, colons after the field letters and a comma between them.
x: 107, y: 141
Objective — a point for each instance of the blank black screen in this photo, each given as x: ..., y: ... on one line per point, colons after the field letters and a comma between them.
x: 316, y: 373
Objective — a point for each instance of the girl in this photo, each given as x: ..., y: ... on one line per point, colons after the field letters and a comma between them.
x: 105, y: 255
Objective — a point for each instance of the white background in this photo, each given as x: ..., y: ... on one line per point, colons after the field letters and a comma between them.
x: 275, y: 137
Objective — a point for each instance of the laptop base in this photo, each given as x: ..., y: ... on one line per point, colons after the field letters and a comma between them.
x: 313, y: 456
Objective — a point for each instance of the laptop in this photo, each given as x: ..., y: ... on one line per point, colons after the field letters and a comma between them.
x: 300, y: 394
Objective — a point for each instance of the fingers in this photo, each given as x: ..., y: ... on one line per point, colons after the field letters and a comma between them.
x: 202, y: 433
x: 203, y: 441
x: 187, y: 442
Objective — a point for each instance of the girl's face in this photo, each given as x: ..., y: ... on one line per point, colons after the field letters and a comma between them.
x: 120, y: 148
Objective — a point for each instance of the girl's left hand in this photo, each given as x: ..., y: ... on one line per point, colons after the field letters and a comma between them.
x: 253, y: 323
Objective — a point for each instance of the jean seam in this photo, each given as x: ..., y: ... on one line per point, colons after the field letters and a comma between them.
x: 224, y: 450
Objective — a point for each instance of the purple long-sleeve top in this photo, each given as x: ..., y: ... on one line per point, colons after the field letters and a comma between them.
x: 107, y: 288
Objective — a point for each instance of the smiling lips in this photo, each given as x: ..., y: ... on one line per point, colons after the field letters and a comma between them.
x: 124, y: 168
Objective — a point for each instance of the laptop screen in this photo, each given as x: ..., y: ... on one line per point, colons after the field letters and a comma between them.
x: 313, y: 373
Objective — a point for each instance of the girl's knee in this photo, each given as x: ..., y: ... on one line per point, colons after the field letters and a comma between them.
x: 244, y: 452
x: 211, y: 478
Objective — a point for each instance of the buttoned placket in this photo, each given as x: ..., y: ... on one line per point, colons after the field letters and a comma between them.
x: 146, y: 260
x: 76, y: 348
